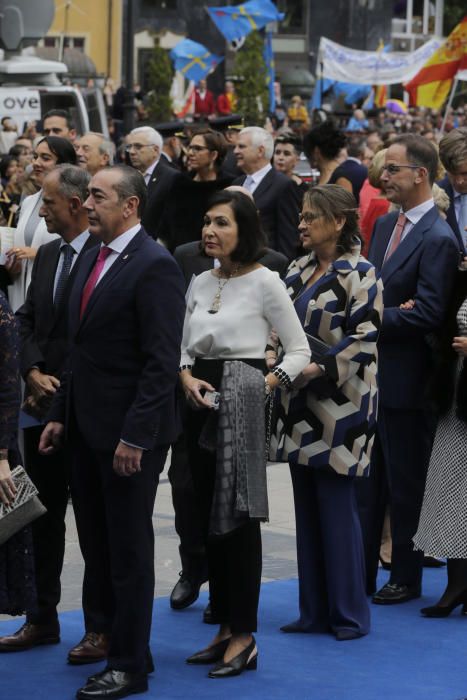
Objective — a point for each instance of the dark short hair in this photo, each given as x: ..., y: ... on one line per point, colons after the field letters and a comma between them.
x: 292, y: 139
x: 251, y: 239
x: 59, y: 113
x: 419, y: 152
x: 72, y: 181
x: 61, y: 148
x: 5, y: 162
x: 356, y: 147
x: 215, y: 141
x: 17, y: 150
x: 131, y: 184
x: 327, y: 138
x: 334, y: 202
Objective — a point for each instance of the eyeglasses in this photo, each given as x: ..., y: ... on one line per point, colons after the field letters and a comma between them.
x: 308, y: 217
x: 197, y: 149
x: 137, y: 146
x: 392, y: 169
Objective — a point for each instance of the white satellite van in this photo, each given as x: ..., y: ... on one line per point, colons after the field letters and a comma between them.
x: 30, y: 87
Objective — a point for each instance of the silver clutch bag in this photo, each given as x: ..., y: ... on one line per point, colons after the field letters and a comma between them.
x: 25, y: 508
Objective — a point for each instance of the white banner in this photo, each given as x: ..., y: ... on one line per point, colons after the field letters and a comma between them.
x: 21, y: 104
x: 372, y: 67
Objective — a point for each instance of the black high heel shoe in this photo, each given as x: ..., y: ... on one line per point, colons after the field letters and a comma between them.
x: 246, y: 660
x: 446, y: 610
x: 211, y: 654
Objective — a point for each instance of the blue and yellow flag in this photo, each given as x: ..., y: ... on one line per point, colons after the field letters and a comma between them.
x: 194, y: 60
x: 268, y: 55
x: 237, y: 21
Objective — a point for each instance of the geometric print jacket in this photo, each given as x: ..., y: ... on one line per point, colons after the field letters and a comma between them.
x: 330, y: 423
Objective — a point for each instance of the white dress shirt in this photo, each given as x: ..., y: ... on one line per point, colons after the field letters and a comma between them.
x: 252, y: 181
x: 413, y: 215
x: 117, y: 246
x: 77, y: 244
x: 149, y: 171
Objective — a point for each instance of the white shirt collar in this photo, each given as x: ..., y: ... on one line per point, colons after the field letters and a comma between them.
x: 77, y: 243
x: 260, y: 174
x: 120, y: 243
x: 416, y: 213
x: 150, y: 170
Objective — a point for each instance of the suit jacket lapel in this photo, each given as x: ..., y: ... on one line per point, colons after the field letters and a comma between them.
x: 90, y: 243
x: 119, y: 264
x: 381, y: 240
x: 263, y: 185
x: 408, y: 245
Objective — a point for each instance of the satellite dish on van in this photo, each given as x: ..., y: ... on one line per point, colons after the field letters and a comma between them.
x: 19, y: 25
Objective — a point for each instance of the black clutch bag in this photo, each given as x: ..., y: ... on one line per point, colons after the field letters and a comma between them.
x: 25, y: 508
x: 318, y: 348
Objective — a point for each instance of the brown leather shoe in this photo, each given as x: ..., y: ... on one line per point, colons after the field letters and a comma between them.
x: 93, y: 648
x: 29, y: 636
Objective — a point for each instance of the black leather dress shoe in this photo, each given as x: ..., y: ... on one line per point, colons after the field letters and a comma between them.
x: 113, y: 684
x: 393, y: 593
x: 149, y: 669
x: 185, y: 592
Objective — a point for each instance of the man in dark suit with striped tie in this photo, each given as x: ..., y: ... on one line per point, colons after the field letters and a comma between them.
x: 43, y: 326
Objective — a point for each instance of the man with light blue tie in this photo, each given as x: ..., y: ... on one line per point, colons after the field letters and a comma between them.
x: 453, y: 155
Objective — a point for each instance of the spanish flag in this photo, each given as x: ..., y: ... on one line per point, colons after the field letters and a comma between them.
x: 431, y: 86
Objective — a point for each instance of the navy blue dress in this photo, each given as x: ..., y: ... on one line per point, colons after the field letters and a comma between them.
x: 17, y: 588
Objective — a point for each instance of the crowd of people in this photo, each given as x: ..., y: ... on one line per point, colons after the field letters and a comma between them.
x: 186, y: 294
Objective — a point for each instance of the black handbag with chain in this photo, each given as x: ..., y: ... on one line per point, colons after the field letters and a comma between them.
x: 25, y: 508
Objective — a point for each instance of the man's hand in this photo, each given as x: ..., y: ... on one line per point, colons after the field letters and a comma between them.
x: 127, y: 460
x: 41, y: 385
x: 51, y: 438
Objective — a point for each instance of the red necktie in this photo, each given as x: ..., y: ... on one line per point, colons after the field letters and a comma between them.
x: 93, y: 277
x: 396, y: 239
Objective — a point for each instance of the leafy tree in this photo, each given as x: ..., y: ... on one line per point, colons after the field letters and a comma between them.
x: 454, y: 11
x: 160, y: 77
x: 251, y: 90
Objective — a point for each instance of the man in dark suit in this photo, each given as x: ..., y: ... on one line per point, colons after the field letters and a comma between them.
x: 351, y: 174
x: 416, y: 254
x: 276, y: 196
x: 453, y: 155
x: 144, y: 148
x: 43, y: 326
x: 117, y: 398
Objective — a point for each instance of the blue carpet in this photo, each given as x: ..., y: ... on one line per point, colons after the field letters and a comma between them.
x: 406, y: 657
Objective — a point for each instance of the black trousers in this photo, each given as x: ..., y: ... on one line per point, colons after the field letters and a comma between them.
x: 399, y: 464
x: 51, y: 477
x: 187, y: 516
x: 234, y: 561
x: 114, y: 521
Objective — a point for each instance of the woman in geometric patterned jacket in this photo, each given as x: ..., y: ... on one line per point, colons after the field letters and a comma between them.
x: 326, y: 424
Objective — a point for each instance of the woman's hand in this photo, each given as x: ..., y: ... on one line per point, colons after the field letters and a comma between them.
x: 7, y: 487
x: 407, y: 305
x: 193, y: 387
x: 459, y: 345
x: 12, y: 265
x: 23, y: 253
x: 311, y: 371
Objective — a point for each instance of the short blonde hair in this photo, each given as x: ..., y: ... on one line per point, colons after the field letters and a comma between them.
x: 376, y: 168
x: 441, y: 198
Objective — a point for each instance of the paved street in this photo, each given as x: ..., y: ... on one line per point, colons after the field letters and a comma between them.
x: 279, y: 560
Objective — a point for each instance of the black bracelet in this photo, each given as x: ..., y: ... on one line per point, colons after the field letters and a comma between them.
x: 283, y: 377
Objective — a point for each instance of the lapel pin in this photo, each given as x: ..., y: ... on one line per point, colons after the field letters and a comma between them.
x: 124, y: 257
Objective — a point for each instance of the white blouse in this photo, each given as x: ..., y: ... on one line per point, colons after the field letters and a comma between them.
x: 251, y: 305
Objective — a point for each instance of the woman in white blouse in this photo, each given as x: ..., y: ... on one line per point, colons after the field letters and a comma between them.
x: 31, y: 232
x: 230, y: 312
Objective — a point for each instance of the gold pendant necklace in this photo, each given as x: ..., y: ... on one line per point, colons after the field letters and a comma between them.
x: 216, y: 302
